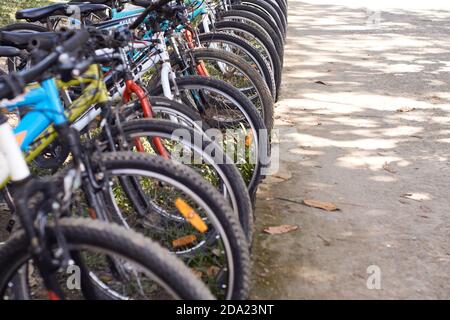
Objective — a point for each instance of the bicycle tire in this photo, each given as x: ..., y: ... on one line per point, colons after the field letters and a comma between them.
x: 263, y: 15
x: 249, y: 17
x: 111, y: 238
x: 192, y: 182
x: 236, y: 188
x: 254, y: 77
x: 245, y: 106
x: 228, y: 26
x: 245, y: 47
x: 268, y: 8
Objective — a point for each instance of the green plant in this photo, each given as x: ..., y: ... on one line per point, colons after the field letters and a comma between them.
x: 8, y: 8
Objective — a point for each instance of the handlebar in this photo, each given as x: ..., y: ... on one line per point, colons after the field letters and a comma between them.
x: 153, y: 6
x: 13, y: 84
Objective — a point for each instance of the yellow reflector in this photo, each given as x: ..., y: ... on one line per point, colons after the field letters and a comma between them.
x: 190, y: 215
x: 180, y: 242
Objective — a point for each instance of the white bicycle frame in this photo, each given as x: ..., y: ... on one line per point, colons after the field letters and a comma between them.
x: 12, y: 161
x: 168, y: 76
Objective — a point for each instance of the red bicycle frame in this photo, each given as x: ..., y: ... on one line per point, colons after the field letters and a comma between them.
x: 132, y: 87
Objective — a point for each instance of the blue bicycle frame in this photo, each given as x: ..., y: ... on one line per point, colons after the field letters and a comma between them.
x: 116, y: 14
x: 46, y: 109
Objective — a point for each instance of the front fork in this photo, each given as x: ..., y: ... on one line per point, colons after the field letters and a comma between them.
x: 133, y: 87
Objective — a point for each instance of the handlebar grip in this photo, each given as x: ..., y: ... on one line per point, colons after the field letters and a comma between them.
x: 42, y: 44
x: 76, y: 41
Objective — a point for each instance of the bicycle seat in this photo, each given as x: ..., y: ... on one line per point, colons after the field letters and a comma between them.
x: 22, y: 40
x: 92, y: 1
x: 39, y: 14
x: 9, y: 52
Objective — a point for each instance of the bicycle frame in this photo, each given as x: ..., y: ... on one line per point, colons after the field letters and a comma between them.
x: 35, y: 131
x: 12, y: 162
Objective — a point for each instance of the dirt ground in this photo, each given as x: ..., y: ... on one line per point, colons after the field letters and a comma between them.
x: 363, y: 122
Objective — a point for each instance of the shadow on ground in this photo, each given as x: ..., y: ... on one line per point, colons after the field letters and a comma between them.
x: 363, y: 122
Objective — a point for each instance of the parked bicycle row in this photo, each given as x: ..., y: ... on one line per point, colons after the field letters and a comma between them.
x: 132, y: 143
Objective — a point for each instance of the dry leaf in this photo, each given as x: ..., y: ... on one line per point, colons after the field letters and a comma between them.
x: 283, y: 175
x: 415, y: 196
x: 387, y: 168
x: 212, y: 271
x: 323, y: 83
x: 406, y: 109
x: 328, y: 206
x: 326, y: 242
x: 285, y: 228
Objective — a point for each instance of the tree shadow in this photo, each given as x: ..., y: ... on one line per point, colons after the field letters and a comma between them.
x: 363, y: 122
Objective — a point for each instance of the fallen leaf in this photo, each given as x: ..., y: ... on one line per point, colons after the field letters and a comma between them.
x: 406, y: 109
x: 283, y: 175
x: 415, y: 196
x: 322, y: 83
x: 285, y: 228
x: 387, y: 168
x: 326, y: 242
x: 197, y: 273
x: 328, y: 206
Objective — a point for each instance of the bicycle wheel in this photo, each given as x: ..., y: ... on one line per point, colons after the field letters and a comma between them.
x: 269, y: 9
x: 280, y: 12
x: 242, y: 48
x: 232, y: 69
x: 93, y: 245
x: 263, y: 15
x: 253, y: 19
x: 176, y: 207
x: 19, y: 63
x: 224, y: 107
x: 164, y: 108
x: 259, y: 39
x: 282, y: 5
x: 195, y: 150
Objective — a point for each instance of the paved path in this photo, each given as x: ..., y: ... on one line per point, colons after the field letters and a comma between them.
x: 344, y: 140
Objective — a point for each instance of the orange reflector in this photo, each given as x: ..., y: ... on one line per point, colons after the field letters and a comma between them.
x: 190, y: 215
x: 92, y: 213
x: 183, y: 241
x: 52, y: 295
x: 20, y: 137
x: 249, y: 139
